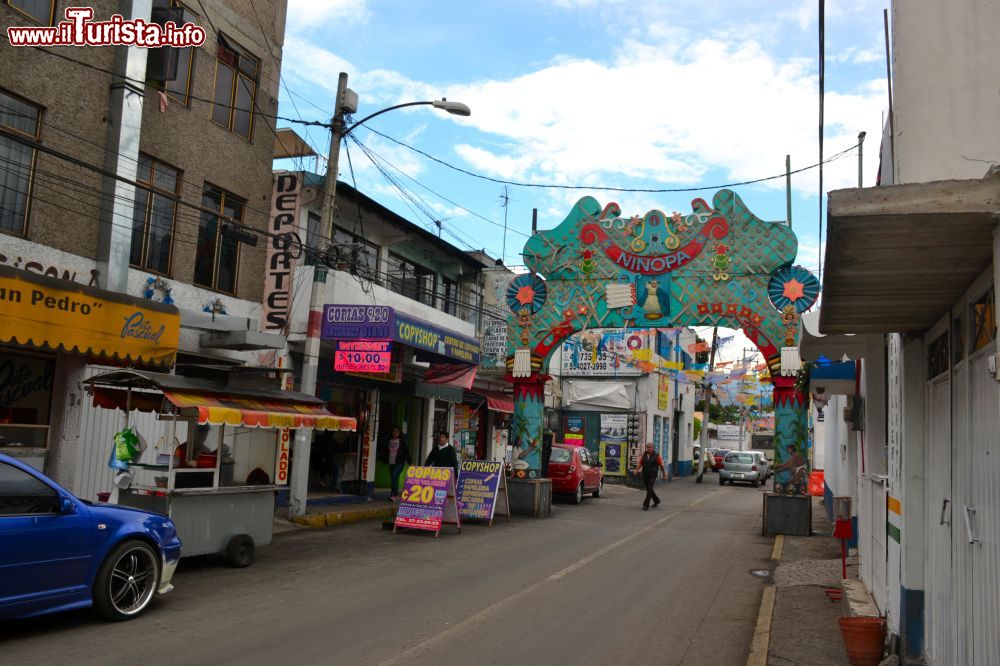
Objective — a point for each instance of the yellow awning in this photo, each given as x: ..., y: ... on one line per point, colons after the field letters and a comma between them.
x: 46, y: 313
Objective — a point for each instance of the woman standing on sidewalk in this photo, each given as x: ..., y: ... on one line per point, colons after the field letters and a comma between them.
x: 650, y: 464
x: 397, y: 455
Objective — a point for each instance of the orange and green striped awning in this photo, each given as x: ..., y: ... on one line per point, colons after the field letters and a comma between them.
x: 217, y: 409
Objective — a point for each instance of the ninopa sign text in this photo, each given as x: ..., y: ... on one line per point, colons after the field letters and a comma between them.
x: 280, y: 269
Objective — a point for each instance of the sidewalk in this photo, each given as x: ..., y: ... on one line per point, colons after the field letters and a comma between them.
x: 797, y: 623
x: 326, y: 515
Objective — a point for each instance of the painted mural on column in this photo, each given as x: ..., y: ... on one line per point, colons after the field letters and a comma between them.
x: 717, y: 264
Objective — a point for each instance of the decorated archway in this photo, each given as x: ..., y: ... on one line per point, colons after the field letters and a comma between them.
x: 717, y: 265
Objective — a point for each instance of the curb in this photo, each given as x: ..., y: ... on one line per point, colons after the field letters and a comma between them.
x: 762, y: 631
x: 331, y: 518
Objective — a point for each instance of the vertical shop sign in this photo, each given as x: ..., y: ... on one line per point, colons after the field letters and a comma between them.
x: 614, y: 434
x: 281, y: 249
x: 281, y: 459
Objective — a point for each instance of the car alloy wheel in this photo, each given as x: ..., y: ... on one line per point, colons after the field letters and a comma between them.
x: 600, y: 488
x: 578, y: 497
x: 127, y: 581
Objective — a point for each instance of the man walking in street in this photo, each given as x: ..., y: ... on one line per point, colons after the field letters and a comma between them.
x: 650, y: 465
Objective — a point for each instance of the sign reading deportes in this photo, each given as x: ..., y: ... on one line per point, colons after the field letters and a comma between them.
x: 277, y: 303
x: 46, y: 313
x: 428, y: 500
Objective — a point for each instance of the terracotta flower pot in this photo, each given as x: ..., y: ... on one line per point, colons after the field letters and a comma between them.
x: 864, y: 639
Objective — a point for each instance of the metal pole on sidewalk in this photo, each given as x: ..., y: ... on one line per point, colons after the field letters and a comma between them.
x: 706, y: 397
x: 302, y: 444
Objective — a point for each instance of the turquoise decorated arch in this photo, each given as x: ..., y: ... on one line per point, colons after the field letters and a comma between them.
x: 718, y: 264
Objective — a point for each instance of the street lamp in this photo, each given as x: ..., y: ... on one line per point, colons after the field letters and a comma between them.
x: 310, y: 358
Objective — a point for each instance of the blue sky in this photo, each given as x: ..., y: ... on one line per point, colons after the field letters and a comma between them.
x: 631, y: 94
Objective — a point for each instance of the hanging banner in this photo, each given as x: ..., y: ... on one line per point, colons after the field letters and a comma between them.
x: 428, y: 500
x: 605, y: 353
x: 663, y: 392
x: 480, y: 486
x: 574, y: 430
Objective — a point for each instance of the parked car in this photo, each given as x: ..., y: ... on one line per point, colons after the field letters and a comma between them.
x: 741, y: 466
x: 58, y: 552
x: 575, y: 471
x: 764, y: 462
x: 720, y: 456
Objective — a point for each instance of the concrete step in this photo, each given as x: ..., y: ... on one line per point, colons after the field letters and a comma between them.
x: 345, y: 515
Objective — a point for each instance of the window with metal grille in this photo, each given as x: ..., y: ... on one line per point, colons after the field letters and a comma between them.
x: 409, y: 279
x: 937, y: 356
x: 983, y: 319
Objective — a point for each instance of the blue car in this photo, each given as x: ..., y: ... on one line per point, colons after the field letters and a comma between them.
x: 60, y: 553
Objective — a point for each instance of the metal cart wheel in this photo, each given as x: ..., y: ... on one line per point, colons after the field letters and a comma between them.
x: 240, y: 551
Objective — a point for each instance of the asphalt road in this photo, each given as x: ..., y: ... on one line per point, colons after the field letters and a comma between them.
x: 599, y: 583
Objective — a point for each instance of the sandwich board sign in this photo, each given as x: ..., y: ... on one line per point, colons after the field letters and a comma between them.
x: 482, y: 490
x: 428, y: 500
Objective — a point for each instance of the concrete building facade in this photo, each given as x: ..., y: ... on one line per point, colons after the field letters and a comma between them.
x: 81, y: 123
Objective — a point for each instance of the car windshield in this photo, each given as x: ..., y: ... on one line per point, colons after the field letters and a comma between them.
x: 560, y: 455
x: 743, y: 458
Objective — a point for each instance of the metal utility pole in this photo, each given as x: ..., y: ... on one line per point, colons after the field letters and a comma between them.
x: 706, y: 394
x: 302, y: 444
x: 788, y: 188
x: 861, y: 162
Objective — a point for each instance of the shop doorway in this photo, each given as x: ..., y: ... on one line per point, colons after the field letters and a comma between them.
x: 406, y: 412
x: 334, y: 459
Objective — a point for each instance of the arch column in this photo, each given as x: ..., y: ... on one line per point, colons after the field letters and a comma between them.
x: 791, y: 438
x: 528, y: 424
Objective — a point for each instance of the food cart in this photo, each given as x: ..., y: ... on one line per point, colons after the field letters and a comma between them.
x: 224, y: 454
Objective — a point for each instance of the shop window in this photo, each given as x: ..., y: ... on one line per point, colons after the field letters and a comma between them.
x: 153, y: 215
x: 236, y: 72
x: 25, y: 397
x: 39, y: 10
x: 314, y: 239
x: 958, y: 339
x: 361, y: 256
x: 983, y: 317
x: 21, y: 493
x: 937, y: 356
x: 169, y: 69
x: 450, y: 302
x: 217, y: 257
x: 410, y: 280
x: 18, y: 160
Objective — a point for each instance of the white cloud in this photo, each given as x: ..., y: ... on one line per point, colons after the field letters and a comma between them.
x: 308, y: 14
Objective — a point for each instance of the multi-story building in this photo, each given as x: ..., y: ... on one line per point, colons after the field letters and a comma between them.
x: 145, y: 174
x: 390, y: 281
x: 617, y: 392
x: 911, y: 271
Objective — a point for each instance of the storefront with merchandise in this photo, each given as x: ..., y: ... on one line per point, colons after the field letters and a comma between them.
x: 402, y: 372
x: 50, y: 330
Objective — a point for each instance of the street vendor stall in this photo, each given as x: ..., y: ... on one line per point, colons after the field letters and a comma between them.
x: 224, y: 454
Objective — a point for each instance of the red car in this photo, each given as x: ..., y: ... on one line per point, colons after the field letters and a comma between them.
x: 720, y: 455
x: 574, y: 471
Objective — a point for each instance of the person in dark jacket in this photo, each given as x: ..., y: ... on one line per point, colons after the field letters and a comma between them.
x: 396, y: 456
x: 650, y: 464
x: 443, y: 454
